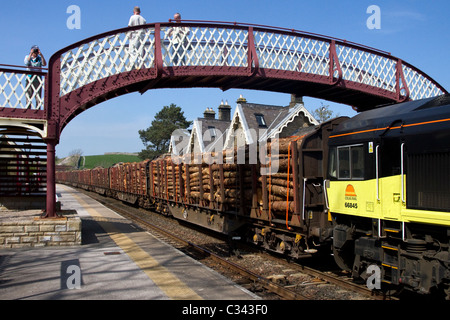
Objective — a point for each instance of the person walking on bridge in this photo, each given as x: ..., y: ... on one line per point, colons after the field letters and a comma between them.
x: 136, y: 37
x: 179, y: 42
x: 34, y: 61
x: 136, y: 19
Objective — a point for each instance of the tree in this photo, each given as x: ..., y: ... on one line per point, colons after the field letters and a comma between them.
x: 156, y: 138
x: 75, y: 156
x: 323, y: 113
x: 76, y: 153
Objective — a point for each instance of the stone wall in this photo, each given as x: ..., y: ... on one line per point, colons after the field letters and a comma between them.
x: 18, y: 230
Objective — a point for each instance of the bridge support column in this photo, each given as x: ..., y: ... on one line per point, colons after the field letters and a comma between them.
x: 51, y: 181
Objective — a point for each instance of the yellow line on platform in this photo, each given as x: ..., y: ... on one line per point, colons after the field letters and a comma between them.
x: 173, y: 287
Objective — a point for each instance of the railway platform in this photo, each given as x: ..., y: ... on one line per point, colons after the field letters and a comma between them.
x: 116, y: 261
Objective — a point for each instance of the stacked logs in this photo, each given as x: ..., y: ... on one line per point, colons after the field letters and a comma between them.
x: 218, y: 184
x: 165, y: 179
x: 230, y: 184
x: 137, y: 177
x: 280, y: 182
x: 208, y: 185
x: 129, y: 178
x: 100, y: 177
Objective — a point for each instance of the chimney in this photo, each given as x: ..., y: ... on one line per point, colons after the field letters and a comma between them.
x: 295, y: 100
x: 225, y: 111
x: 241, y: 99
x: 209, y: 114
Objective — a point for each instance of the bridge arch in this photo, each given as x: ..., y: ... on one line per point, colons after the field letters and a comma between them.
x: 226, y: 55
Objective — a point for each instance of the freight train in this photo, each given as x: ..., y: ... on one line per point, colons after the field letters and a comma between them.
x: 374, y: 189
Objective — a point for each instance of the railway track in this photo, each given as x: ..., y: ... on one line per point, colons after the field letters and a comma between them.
x: 285, y: 281
x: 346, y: 282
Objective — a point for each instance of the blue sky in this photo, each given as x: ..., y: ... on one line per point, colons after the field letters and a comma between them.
x: 416, y: 31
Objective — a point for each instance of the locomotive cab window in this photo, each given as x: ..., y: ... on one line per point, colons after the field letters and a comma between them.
x: 347, y: 162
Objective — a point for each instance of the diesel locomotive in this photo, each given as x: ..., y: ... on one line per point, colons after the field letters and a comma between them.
x: 388, y: 191
x: 374, y: 189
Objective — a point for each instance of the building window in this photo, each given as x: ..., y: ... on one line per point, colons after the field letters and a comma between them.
x: 260, y: 119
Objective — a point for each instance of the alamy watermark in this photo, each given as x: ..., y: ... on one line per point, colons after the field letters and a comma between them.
x: 374, y: 20
x: 374, y: 280
x: 74, y: 280
x: 74, y: 20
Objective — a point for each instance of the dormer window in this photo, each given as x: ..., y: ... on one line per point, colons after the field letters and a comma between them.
x: 260, y: 120
x: 212, y: 131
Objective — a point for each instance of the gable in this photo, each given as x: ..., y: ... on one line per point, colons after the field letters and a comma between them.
x: 297, y: 119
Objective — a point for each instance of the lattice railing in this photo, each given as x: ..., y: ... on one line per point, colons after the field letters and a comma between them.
x: 205, y: 46
x: 419, y: 85
x: 20, y: 89
x: 367, y: 67
x: 219, y: 45
x: 105, y: 57
x: 292, y: 53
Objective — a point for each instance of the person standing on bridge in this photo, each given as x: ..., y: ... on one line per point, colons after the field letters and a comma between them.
x: 34, y: 83
x: 136, y: 37
x: 179, y: 41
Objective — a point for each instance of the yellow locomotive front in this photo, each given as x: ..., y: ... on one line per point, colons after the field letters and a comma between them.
x: 388, y: 192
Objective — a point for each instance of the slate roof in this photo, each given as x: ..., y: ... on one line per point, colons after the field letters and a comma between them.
x: 204, y: 137
x: 272, y: 114
x: 220, y: 126
x: 278, y: 121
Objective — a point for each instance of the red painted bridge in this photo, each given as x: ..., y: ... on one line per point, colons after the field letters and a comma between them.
x: 220, y: 55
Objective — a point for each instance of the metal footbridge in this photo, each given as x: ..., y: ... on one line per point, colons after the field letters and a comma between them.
x: 209, y: 54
